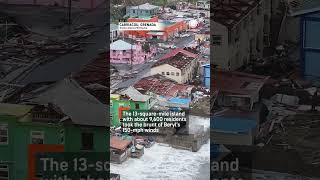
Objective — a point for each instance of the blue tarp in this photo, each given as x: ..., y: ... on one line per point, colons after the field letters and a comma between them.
x: 232, y: 124
x: 179, y: 101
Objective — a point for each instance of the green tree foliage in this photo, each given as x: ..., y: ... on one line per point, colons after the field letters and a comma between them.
x: 146, y: 47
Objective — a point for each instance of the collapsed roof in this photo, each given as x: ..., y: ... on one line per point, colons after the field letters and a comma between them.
x: 230, y: 12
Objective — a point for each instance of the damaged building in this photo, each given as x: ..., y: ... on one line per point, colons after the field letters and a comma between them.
x: 240, y: 31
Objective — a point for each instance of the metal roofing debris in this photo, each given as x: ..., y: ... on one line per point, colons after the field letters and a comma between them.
x: 94, y: 77
x: 179, y: 61
x: 134, y: 94
x: 161, y: 85
x: 237, y: 82
x: 285, y: 99
x: 230, y: 12
x: 75, y: 102
x: 300, y: 7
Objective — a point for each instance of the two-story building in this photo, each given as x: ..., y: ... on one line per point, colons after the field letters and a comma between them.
x: 142, y: 10
x: 122, y: 52
x: 179, y: 68
x: 240, y: 30
x: 308, y: 13
x: 169, y: 28
x: 59, y: 114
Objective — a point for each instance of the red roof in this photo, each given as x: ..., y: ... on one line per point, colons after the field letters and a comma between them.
x: 118, y: 143
x: 95, y: 73
x: 176, y: 51
x: 179, y: 61
x: 237, y: 82
x: 160, y: 85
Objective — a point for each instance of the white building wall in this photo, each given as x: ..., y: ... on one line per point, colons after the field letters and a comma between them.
x: 167, y: 68
x: 242, y: 41
x: 220, y: 52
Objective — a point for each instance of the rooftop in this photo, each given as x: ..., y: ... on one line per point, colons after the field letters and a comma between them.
x: 179, y: 61
x: 118, y: 143
x: 134, y: 94
x: 237, y: 82
x: 14, y: 109
x: 71, y: 99
x: 94, y: 77
x: 161, y: 85
x: 179, y: 50
x: 114, y: 27
x: 299, y: 7
x: 145, y: 6
x: 121, y: 45
x: 230, y: 12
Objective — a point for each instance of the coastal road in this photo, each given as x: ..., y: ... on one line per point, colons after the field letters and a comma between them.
x: 143, y: 70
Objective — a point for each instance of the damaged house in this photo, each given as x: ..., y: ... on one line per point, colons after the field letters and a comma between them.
x: 237, y: 89
x: 167, y: 92
x: 240, y: 30
x: 59, y: 113
x: 119, y: 149
x: 179, y: 68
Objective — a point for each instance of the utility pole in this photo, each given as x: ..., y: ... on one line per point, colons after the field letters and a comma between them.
x: 5, y: 40
x: 69, y: 13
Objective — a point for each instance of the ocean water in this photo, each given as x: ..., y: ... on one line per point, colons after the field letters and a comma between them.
x: 161, y: 162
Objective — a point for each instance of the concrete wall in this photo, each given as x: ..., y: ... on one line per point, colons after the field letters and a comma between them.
x: 220, y: 53
x: 167, y: 68
x: 230, y: 138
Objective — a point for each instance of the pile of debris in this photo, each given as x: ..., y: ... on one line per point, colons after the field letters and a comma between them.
x: 22, y: 50
x: 9, y: 28
x: 293, y: 122
x: 280, y: 63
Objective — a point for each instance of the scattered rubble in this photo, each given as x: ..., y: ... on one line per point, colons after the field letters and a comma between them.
x: 22, y: 50
x: 292, y: 124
